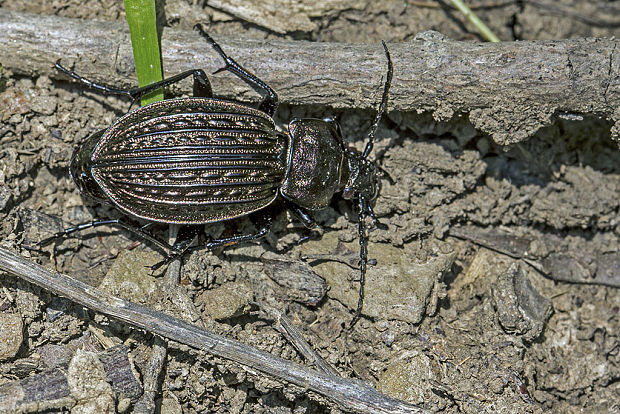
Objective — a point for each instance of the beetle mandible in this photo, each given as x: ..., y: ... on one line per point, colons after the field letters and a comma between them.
x: 202, y: 159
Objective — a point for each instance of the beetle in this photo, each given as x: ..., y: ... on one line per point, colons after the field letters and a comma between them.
x: 200, y: 160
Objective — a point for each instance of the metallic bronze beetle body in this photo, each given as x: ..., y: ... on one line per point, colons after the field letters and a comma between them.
x: 201, y: 160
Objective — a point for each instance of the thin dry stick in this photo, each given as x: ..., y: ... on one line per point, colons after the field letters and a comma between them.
x: 351, y: 394
x: 286, y: 327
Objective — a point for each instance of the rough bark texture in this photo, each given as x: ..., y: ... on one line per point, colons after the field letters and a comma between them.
x: 509, y: 89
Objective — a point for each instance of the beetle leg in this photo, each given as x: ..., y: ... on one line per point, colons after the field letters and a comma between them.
x: 269, y: 104
x: 68, y: 231
x: 138, y: 231
x: 186, y: 236
x: 302, y: 215
x: 310, y: 225
x: 202, y: 86
x: 182, y: 248
x: 263, y: 229
x: 105, y: 89
x: 264, y: 226
x: 374, y: 218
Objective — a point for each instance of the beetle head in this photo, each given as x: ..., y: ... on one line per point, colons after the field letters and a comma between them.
x: 362, y: 180
x: 80, y: 168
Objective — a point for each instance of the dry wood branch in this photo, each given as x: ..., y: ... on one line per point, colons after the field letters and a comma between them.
x: 510, y: 89
x: 350, y: 394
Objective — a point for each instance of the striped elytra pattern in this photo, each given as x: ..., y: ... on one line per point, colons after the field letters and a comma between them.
x: 191, y: 161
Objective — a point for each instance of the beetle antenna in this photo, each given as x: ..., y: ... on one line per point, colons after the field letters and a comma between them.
x: 383, y: 106
x: 363, y: 238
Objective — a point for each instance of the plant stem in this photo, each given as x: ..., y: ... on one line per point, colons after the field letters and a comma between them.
x: 142, y: 21
x: 471, y: 16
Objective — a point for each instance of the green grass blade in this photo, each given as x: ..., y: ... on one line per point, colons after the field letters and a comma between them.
x: 471, y: 16
x: 142, y: 21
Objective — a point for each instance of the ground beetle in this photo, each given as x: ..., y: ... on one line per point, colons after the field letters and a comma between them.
x: 202, y: 160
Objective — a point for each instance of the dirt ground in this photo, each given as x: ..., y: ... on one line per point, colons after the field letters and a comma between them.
x: 448, y: 324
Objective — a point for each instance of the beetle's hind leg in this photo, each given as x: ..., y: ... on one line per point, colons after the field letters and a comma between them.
x: 201, y: 88
x: 269, y: 104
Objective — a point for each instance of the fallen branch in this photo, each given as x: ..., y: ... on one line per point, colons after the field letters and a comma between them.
x: 350, y: 394
x: 509, y: 89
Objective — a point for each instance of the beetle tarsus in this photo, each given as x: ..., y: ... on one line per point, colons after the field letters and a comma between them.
x: 202, y: 86
x: 105, y: 89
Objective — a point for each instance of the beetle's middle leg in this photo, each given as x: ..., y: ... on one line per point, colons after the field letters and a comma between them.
x: 269, y: 104
x: 138, y: 231
x: 178, y: 251
x: 263, y: 223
